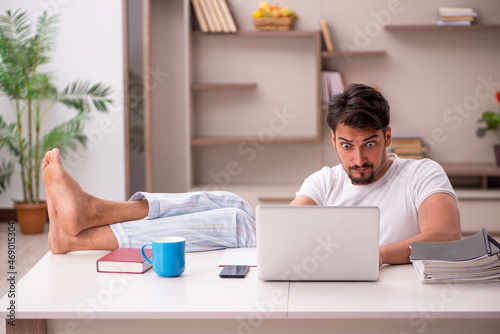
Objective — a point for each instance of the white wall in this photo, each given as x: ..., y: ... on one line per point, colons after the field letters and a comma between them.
x: 89, y: 46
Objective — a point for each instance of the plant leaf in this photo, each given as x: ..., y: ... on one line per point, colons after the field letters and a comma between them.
x: 15, y: 27
x: 80, y: 95
x: 43, y: 88
x: 9, y: 137
x: 65, y: 136
x: 6, y: 171
x: 44, y: 40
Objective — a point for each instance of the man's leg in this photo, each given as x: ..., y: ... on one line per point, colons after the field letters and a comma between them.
x: 77, y: 210
x: 78, y: 220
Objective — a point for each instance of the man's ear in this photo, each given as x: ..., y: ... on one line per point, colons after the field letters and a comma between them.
x: 333, y: 141
x: 388, y: 136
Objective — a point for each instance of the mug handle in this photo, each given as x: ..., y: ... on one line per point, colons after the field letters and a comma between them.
x: 144, y: 254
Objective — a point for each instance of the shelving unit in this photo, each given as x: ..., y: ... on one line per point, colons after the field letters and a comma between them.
x: 211, y: 146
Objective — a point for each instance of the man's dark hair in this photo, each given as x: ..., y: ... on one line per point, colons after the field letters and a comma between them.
x: 359, y: 107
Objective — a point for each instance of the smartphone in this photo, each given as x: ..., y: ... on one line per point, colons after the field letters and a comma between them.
x: 234, y: 272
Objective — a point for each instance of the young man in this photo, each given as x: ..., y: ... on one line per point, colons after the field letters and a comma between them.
x: 415, y: 197
x: 416, y: 200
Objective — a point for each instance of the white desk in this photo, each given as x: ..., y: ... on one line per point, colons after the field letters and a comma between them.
x: 74, y: 298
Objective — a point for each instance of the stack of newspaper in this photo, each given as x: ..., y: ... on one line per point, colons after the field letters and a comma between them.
x: 472, y: 259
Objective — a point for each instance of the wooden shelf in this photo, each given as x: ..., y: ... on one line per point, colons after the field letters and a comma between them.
x: 227, y: 140
x: 481, y: 171
x: 471, y: 169
x: 434, y: 27
x: 342, y: 54
x: 256, y: 33
x: 222, y: 86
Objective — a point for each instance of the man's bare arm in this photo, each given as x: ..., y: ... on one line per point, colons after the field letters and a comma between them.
x: 302, y: 200
x: 439, y: 220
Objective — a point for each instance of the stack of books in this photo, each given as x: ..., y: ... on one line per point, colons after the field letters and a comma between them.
x: 472, y: 259
x: 332, y: 84
x: 456, y: 16
x: 214, y: 16
x: 408, y: 148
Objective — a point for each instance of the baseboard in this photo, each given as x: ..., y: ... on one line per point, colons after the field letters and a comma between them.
x: 8, y: 215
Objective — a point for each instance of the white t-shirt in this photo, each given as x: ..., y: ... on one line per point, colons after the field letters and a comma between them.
x: 398, y: 193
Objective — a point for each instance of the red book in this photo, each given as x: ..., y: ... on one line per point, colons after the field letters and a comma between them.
x: 124, y: 260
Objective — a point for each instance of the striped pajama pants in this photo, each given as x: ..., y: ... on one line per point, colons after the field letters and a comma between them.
x: 207, y: 220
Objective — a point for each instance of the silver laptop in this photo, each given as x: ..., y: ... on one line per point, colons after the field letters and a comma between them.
x: 317, y: 243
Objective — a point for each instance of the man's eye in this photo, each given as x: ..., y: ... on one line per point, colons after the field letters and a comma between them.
x: 370, y: 144
x: 346, y: 146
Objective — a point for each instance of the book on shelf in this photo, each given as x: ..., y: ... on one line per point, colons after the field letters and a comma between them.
x: 325, y: 34
x: 408, y: 141
x: 124, y: 260
x: 472, y: 259
x: 214, y: 16
x: 457, y: 10
x: 228, y: 16
x: 453, y: 23
x: 200, y: 15
x: 408, y: 148
x: 208, y: 17
x: 456, y: 16
x: 332, y: 84
x: 218, y: 14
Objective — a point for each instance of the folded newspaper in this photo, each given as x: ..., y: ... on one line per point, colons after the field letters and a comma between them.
x: 472, y: 259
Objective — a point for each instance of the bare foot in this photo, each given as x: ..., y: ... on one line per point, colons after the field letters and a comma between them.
x: 59, y: 242
x: 71, y: 209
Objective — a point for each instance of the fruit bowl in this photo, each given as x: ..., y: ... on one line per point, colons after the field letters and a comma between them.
x: 273, y: 23
x: 269, y: 17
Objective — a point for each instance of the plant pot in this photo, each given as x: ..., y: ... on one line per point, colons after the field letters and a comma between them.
x: 497, y: 153
x: 31, y: 217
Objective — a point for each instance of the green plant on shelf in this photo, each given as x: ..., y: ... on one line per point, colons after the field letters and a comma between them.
x: 491, y: 120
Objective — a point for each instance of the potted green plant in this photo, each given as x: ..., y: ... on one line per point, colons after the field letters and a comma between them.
x: 491, y: 120
x: 32, y: 94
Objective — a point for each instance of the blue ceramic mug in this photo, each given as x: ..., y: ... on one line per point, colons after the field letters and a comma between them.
x: 168, y: 256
